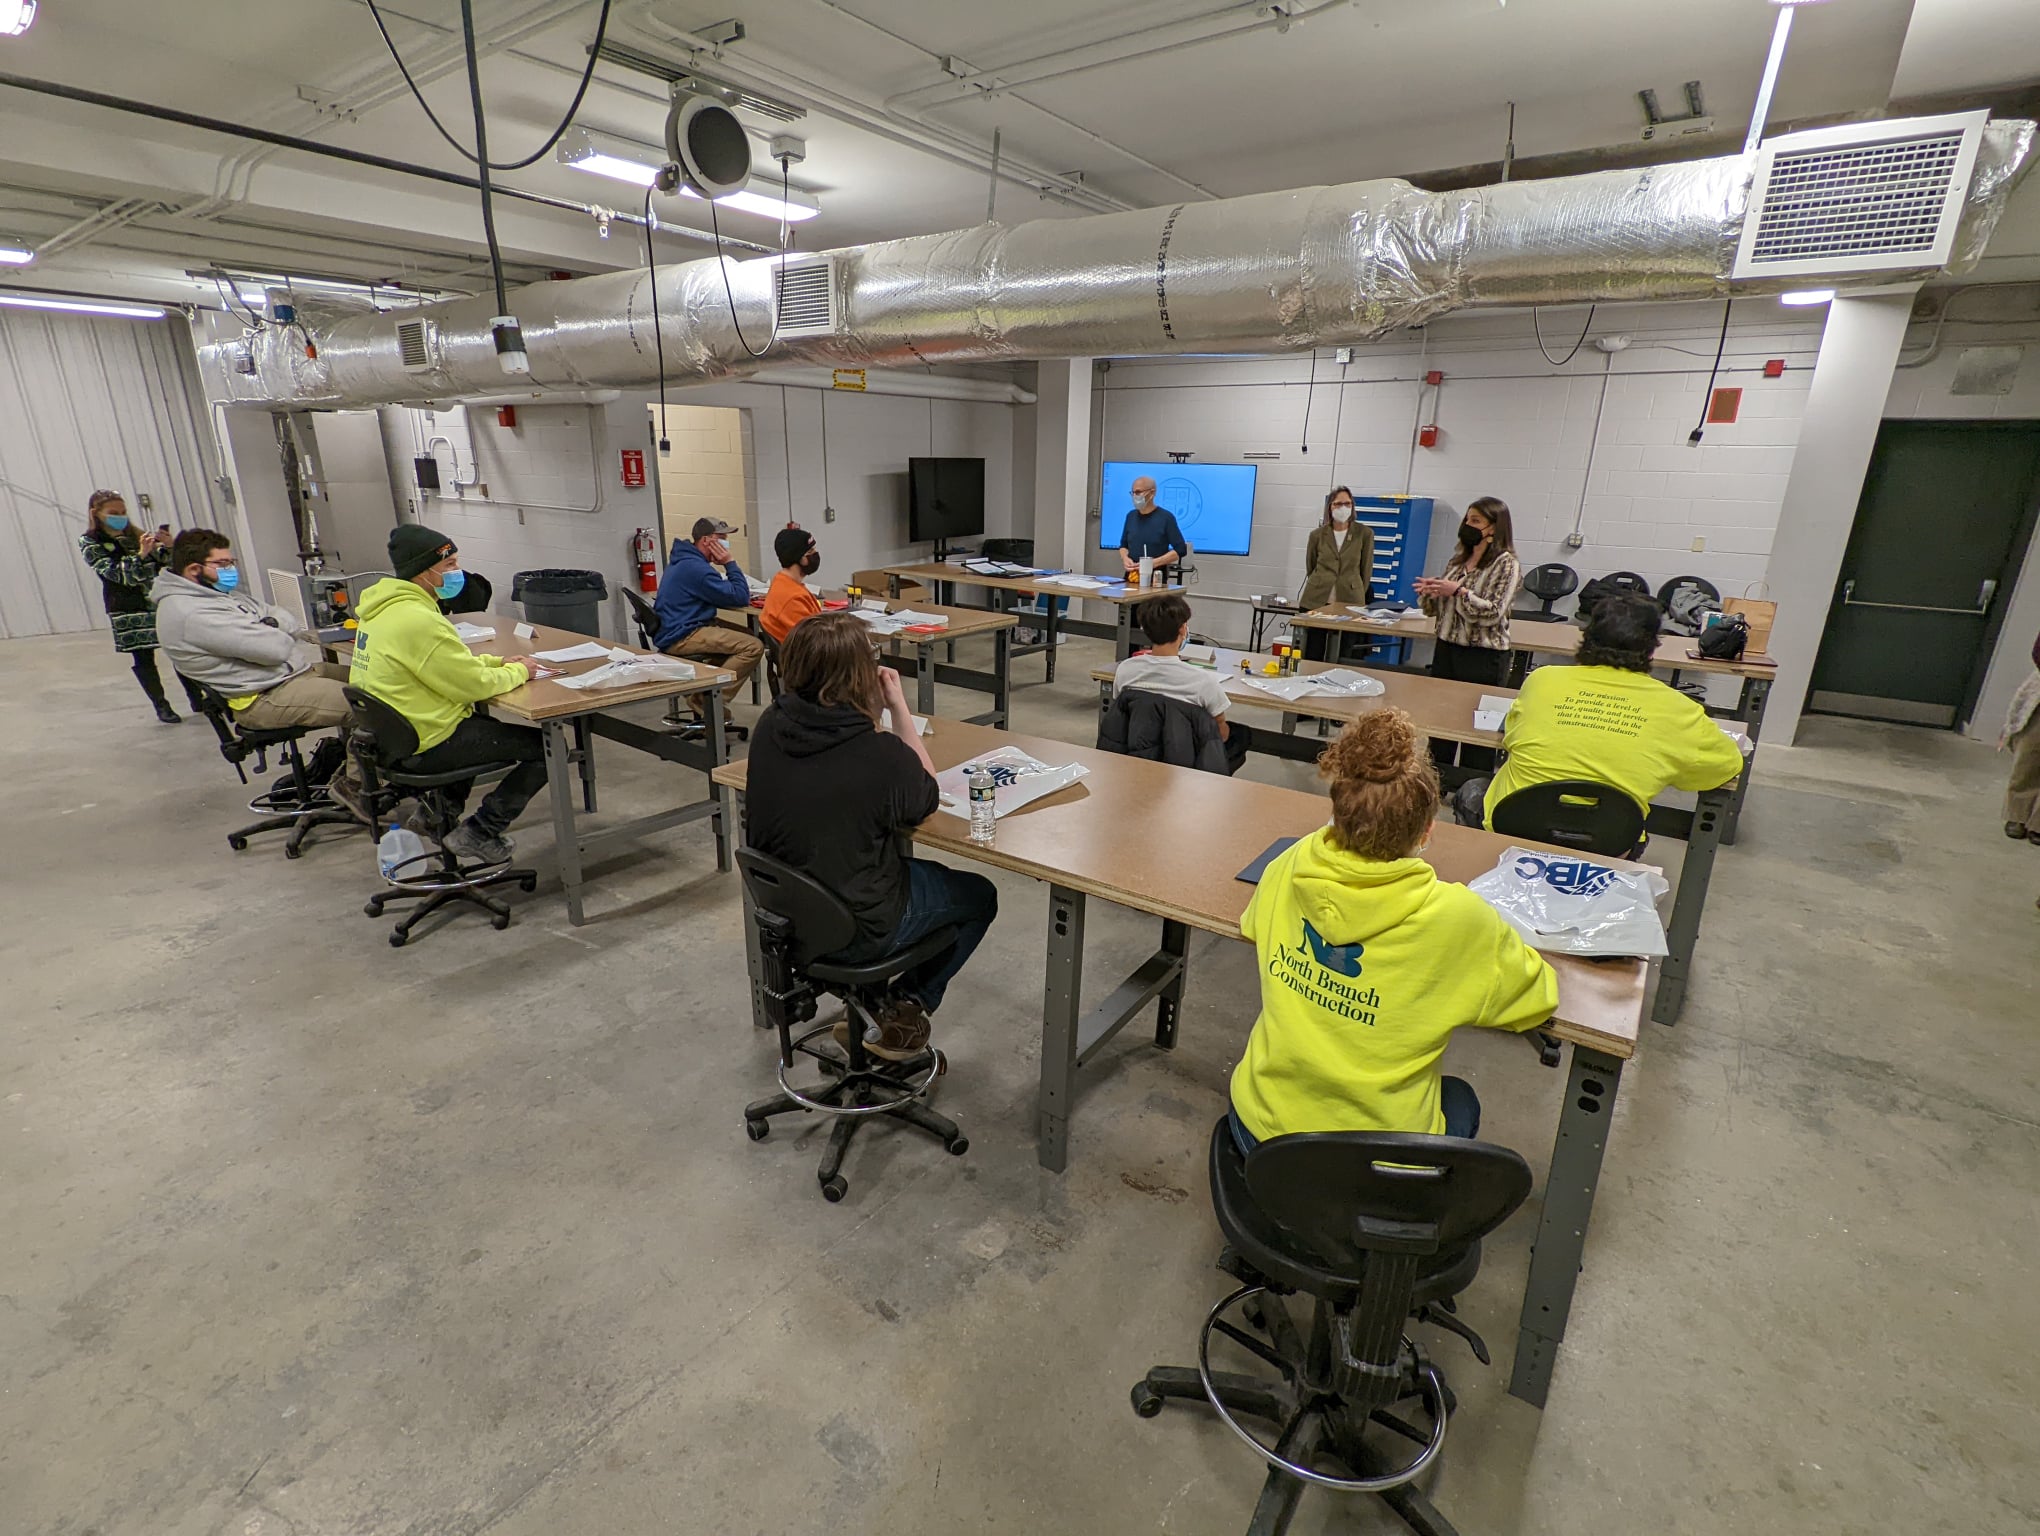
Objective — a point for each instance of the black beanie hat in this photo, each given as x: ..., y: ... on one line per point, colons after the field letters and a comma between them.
x: 415, y: 549
x: 792, y: 544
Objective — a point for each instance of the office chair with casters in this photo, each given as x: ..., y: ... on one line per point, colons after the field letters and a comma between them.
x: 800, y: 923
x: 296, y: 803
x: 771, y: 661
x: 1547, y: 583
x: 1573, y: 813
x: 383, y: 742
x: 1377, y: 1229
x: 646, y: 618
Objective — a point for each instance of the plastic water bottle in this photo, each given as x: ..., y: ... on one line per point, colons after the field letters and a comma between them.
x: 983, y: 806
x: 396, y: 847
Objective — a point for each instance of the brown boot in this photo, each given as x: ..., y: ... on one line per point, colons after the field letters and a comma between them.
x: 902, y: 1030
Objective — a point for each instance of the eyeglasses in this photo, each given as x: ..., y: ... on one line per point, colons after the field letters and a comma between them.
x: 218, y: 563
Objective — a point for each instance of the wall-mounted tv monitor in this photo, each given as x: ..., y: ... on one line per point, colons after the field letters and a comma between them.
x: 1213, y: 503
x: 945, y: 499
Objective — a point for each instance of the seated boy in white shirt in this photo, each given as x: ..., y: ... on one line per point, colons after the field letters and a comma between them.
x: 1165, y: 620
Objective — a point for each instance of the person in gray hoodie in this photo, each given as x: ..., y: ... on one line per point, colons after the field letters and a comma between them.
x: 251, y: 654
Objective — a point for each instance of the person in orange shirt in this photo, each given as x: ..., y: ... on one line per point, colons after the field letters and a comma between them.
x: 788, y: 600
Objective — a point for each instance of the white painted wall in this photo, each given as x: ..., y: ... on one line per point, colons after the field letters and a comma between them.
x: 556, y: 496
x: 89, y: 404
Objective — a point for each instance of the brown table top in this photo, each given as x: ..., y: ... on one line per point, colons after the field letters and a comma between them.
x: 963, y: 622
x: 1118, y: 592
x: 543, y: 698
x: 1541, y: 637
x: 1439, y: 706
x: 1168, y: 840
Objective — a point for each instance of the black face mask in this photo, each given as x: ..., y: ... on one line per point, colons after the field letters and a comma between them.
x: 810, y: 562
x: 1468, y: 535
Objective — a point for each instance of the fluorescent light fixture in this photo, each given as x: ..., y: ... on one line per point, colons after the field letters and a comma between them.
x: 80, y: 306
x: 762, y: 198
x: 1807, y: 296
x: 12, y: 255
x: 15, y: 16
x: 621, y: 160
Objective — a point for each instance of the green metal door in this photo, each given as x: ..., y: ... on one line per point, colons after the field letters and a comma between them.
x: 1946, y: 511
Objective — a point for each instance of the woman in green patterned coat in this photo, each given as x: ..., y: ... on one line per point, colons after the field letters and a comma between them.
x: 126, y: 563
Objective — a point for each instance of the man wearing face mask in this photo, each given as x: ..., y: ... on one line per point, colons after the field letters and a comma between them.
x: 407, y: 654
x: 788, y: 600
x: 1150, y: 531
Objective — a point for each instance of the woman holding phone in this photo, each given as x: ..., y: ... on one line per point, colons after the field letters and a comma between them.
x: 126, y: 562
x: 1471, y: 604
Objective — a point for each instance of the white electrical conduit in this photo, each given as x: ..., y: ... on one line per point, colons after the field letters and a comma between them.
x: 933, y: 386
x: 1150, y: 43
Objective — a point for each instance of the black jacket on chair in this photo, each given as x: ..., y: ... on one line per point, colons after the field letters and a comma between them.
x: 1162, y: 730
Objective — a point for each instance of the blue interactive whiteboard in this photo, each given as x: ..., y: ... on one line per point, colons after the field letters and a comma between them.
x: 1213, y: 503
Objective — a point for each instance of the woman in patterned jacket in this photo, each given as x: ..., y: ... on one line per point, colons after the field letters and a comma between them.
x: 126, y: 563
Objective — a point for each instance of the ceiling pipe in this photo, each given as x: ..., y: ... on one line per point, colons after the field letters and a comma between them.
x: 1279, y: 271
x: 915, y: 386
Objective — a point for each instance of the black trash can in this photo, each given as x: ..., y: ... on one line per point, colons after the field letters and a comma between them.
x: 564, y: 599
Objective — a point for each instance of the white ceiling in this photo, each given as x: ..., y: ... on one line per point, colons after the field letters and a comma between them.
x: 1357, y: 89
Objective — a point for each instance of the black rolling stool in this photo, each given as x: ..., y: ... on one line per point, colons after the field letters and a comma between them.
x: 799, y: 922
x: 299, y: 805
x: 1547, y: 583
x: 383, y: 741
x: 1573, y: 813
x: 1376, y: 1229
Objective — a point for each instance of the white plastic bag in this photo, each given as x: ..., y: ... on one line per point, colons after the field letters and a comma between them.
x: 1576, y: 905
x: 1017, y: 780
x: 626, y: 669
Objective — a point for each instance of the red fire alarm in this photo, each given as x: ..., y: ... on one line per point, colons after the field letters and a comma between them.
x: 1427, y: 435
x: 506, y: 416
x: 1774, y: 368
x: 1435, y: 376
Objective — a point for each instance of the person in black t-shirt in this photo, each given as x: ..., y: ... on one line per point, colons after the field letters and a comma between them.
x: 837, y: 797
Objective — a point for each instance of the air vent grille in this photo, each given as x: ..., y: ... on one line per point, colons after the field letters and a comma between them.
x: 806, y: 296
x: 1865, y: 197
x: 415, y: 345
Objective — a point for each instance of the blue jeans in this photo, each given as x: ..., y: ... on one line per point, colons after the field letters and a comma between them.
x: 1455, y: 1095
x: 937, y: 897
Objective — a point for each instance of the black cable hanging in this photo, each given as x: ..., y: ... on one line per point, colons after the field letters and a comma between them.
x: 1707, y: 399
x: 658, y: 335
x: 1309, y: 390
x: 1538, y: 331
x: 479, y: 156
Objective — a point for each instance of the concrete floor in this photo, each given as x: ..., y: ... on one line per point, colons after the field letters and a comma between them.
x: 307, y: 1235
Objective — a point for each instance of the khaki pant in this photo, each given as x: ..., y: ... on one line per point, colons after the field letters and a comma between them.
x: 724, y: 647
x: 311, y: 698
x: 2022, y: 795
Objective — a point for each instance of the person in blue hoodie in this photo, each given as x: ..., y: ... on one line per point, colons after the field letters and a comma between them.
x: 701, y: 578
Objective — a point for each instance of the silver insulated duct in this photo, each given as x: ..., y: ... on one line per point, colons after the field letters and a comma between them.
x: 1273, y: 272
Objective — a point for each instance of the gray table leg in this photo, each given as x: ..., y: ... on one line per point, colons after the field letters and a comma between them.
x: 1062, y: 999
x: 1176, y: 942
x: 584, y: 749
x: 1104, y: 702
x: 924, y: 677
x: 1561, y: 1240
x: 1756, y: 695
x: 1002, y: 669
x: 718, y: 754
x: 1050, y: 612
x: 754, y: 965
x: 1682, y: 934
x: 559, y: 768
x: 1122, y: 646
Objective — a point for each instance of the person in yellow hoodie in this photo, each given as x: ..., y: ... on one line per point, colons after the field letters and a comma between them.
x: 1605, y: 718
x: 1369, y: 961
x: 407, y: 654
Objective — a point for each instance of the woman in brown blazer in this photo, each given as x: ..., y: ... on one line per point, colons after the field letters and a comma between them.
x: 1338, y: 565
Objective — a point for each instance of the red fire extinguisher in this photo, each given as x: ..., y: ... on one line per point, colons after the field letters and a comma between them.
x: 646, y: 553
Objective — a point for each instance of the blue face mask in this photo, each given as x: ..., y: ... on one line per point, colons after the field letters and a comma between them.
x: 227, y: 578
x: 450, y: 585
x: 114, y: 520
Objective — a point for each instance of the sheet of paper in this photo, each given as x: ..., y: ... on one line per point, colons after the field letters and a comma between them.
x: 1488, y: 719
x: 589, y: 651
x: 923, y: 726
x: 1494, y: 704
x: 524, y: 632
x: 916, y: 616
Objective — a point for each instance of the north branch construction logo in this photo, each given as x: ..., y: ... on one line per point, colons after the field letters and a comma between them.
x: 1315, y: 971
